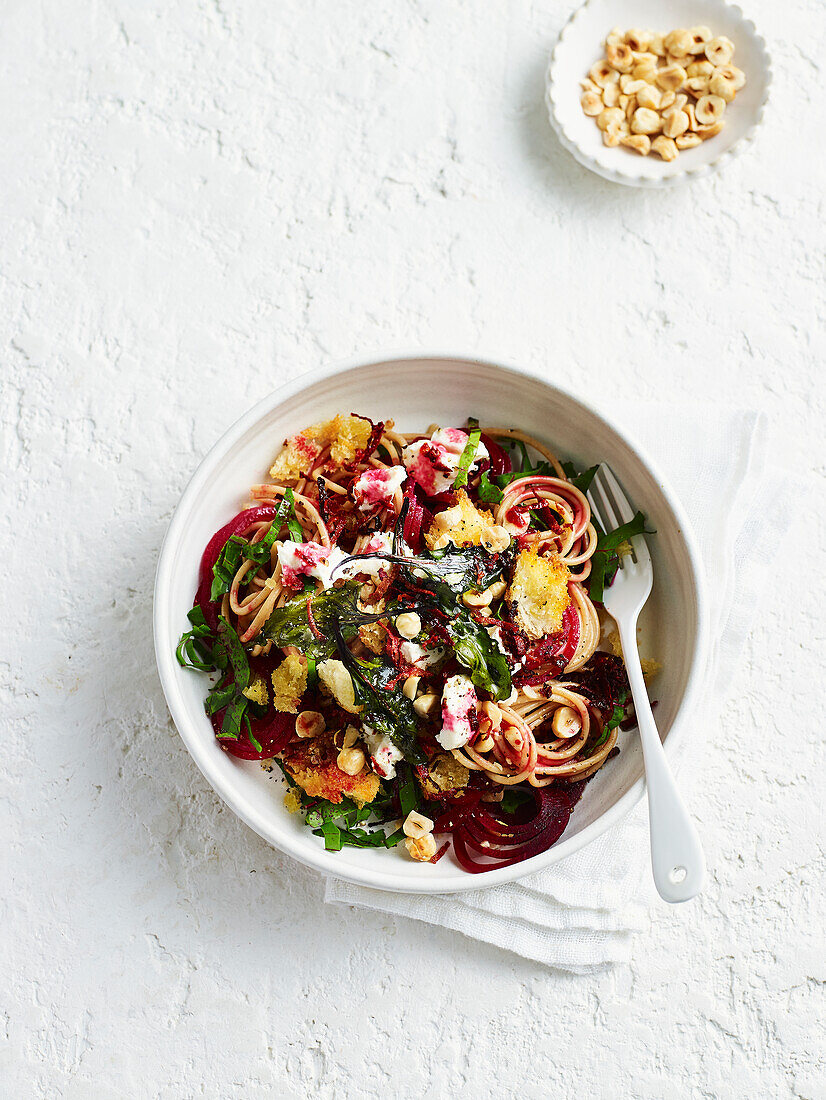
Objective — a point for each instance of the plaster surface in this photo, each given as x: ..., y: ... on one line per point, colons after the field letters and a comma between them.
x: 198, y: 200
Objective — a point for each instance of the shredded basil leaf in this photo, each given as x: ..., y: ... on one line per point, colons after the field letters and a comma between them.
x: 294, y: 527
x: 339, y: 823
x: 543, y: 469
x: 231, y: 727
x: 253, y: 740
x: 468, y: 455
x: 408, y: 794
x: 230, y: 643
x: 195, y: 647
x: 220, y: 697
x: 596, y: 582
x: 605, y: 560
x: 332, y: 836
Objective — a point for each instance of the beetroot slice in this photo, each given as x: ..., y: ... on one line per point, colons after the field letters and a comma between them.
x: 273, y: 733
x: 477, y: 831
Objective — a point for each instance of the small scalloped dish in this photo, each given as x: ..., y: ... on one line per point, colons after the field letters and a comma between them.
x: 582, y: 43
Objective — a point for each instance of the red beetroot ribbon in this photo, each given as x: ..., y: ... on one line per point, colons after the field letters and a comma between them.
x: 505, y: 839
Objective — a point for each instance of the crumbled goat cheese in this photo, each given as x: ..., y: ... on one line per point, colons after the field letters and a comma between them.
x: 383, y: 753
x: 434, y: 462
x: 378, y: 486
x: 458, y: 703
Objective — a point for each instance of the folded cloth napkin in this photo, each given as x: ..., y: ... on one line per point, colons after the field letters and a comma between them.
x: 580, y: 913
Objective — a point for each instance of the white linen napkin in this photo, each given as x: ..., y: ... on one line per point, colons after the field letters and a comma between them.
x: 579, y: 914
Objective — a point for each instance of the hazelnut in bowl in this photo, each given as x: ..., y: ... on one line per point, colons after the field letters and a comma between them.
x: 649, y: 92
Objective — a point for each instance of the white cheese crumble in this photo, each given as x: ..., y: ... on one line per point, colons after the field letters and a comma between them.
x: 416, y: 655
x: 379, y: 544
x: 378, y: 486
x: 383, y: 753
x: 308, y: 559
x: 458, y: 702
x: 434, y: 462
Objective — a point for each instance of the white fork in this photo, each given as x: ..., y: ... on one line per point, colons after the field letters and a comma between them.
x: 677, y: 859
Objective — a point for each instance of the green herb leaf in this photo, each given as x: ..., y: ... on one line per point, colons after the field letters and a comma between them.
x: 474, y: 648
x: 195, y: 647
x: 335, y: 613
x: 312, y: 674
x: 332, y: 836
x: 456, y: 569
x: 605, y: 561
x: 253, y: 740
x: 544, y: 469
x: 596, y: 582
x: 615, y: 538
x: 229, y: 642
x: 231, y: 727
x: 525, y: 461
x: 385, y: 709
x: 408, y: 794
x: 467, y: 456
x: 580, y: 481
x: 220, y: 697
x: 294, y: 527
x: 488, y: 492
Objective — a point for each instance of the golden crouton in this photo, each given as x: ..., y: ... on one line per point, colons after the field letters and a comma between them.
x: 312, y: 764
x: 350, y: 435
x: 301, y: 451
x: 463, y: 524
x: 344, y: 435
x: 338, y: 681
x: 372, y: 635
x: 539, y: 589
x: 289, y: 682
x: 257, y: 691
x: 444, y: 773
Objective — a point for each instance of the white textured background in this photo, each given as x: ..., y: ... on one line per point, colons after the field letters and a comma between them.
x: 198, y: 200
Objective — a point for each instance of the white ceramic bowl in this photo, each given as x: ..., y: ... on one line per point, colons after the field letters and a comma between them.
x: 581, y: 44
x: 417, y: 391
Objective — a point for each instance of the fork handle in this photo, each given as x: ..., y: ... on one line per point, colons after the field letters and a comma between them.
x: 677, y: 859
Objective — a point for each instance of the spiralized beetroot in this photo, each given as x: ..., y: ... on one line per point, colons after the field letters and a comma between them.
x: 477, y: 829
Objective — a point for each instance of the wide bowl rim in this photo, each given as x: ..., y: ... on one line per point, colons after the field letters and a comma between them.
x: 628, y: 177
x: 187, y: 725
